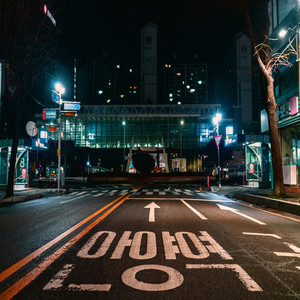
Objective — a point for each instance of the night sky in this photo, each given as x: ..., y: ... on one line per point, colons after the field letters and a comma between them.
x: 185, y: 28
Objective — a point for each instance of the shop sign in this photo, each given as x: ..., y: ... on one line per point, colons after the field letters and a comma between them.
x: 288, y: 108
x: 251, y: 168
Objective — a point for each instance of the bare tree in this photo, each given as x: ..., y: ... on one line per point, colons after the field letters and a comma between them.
x: 26, y: 42
x: 257, y: 23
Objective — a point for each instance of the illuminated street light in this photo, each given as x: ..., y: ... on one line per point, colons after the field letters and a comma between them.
x: 216, y: 120
x: 124, y: 126
x: 61, y: 90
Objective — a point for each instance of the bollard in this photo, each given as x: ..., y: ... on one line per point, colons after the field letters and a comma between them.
x: 208, y: 181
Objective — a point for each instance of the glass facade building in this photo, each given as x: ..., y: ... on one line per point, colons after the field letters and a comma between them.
x: 185, y: 126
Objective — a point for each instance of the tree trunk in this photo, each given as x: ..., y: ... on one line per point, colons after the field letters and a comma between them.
x: 279, y: 188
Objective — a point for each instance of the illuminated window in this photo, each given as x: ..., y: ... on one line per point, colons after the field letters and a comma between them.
x: 100, y: 92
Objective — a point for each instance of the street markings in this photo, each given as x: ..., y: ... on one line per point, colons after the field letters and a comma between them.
x: 152, y: 206
x: 263, y: 234
x: 249, y: 283
x: 97, y: 195
x: 238, y: 213
x: 193, y: 210
x: 24, y: 281
x: 296, y: 252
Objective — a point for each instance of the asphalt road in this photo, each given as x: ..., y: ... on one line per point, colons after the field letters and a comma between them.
x: 147, y: 242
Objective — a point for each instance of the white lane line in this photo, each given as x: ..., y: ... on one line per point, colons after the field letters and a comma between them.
x: 293, y: 247
x: 162, y: 193
x: 81, y: 193
x: 188, y: 193
x: 298, y: 267
x: 290, y: 254
x: 238, y: 213
x: 263, y: 234
x: 187, y: 199
x: 243, y: 276
x: 99, y: 194
x: 175, y: 193
x: 194, y: 210
x: 72, y: 199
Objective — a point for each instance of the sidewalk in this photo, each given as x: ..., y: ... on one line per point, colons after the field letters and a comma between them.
x: 290, y: 203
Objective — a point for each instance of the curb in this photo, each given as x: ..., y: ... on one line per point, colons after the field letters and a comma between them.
x: 18, y: 199
x: 289, y: 207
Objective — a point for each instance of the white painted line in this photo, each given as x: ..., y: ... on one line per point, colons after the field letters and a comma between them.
x: 188, y: 193
x: 72, y: 199
x: 152, y: 206
x: 162, y: 193
x: 99, y: 194
x: 298, y: 267
x: 175, y: 193
x: 90, y: 287
x: 81, y: 193
x: 194, y: 210
x: 263, y: 234
x: 187, y: 199
x: 156, y: 190
x: 249, y: 283
x: 149, y: 193
x: 293, y: 247
x: 238, y: 213
x: 187, y: 190
x: 288, y: 254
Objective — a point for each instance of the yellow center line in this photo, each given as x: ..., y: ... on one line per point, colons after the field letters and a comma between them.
x: 24, y: 281
x: 9, y: 271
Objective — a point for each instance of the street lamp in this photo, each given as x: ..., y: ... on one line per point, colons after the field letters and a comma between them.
x: 60, y: 89
x: 124, y: 126
x: 216, y: 120
x: 181, y: 124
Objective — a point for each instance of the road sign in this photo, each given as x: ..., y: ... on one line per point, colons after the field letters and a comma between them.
x: 55, y: 97
x: 49, y: 114
x: 218, y: 140
x: 71, y: 105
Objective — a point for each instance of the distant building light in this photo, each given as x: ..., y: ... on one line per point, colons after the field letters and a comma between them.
x: 134, y: 92
x: 187, y: 86
x: 167, y: 66
x: 171, y: 99
x: 229, y: 130
x: 118, y: 66
x: 122, y: 96
x: 178, y: 74
x: 192, y: 91
x: 100, y: 92
x: 200, y: 81
x: 108, y: 100
x: 179, y: 102
x: 170, y: 95
x: 130, y: 70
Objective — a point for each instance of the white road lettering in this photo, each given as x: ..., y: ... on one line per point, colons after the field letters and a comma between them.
x: 151, y: 248
x: 124, y: 242
x: 84, y: 251
x: 249, y: 283
x: 152, y: 206
x: 57, y: 281
x: 263, y: 234
x: 170, y: 249
x: 238, y: 213
x: 175, y: 279
x: 185, y: 249
x: 194, y: 210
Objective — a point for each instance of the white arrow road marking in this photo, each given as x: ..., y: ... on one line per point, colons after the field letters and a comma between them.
x: 194, y: 210
x: 152, y: 207
x: 263, y: 234
x: 249, y: 283
x: 223, y: 207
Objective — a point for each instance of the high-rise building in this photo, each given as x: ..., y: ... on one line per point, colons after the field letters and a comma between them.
x: 149, y: 64
x: 185, y: 83
x: 115, y: 82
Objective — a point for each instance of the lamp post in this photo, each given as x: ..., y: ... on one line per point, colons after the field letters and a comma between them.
x: 216, y: 120
x: 124, y: 127
x: 60, y: 89
x: 181, y: 125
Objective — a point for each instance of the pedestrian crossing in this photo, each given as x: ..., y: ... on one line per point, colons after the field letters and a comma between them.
x: 142, y: 192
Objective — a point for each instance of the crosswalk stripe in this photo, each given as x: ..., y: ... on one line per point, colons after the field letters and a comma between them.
x: 99, y: 194
x: 162, y: 193
x: 149, y: 193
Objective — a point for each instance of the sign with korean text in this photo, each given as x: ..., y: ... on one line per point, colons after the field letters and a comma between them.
x: 55, y: 97
x: 71, y: 105
x: 49, y: 114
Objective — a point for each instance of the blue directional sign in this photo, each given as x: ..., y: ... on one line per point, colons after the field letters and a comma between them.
x: 55, y: 97
x: 50, y: 114
x: 71, y: 105
x: 231, y: 140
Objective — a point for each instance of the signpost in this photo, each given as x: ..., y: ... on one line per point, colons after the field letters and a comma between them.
x: 217, y: 141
